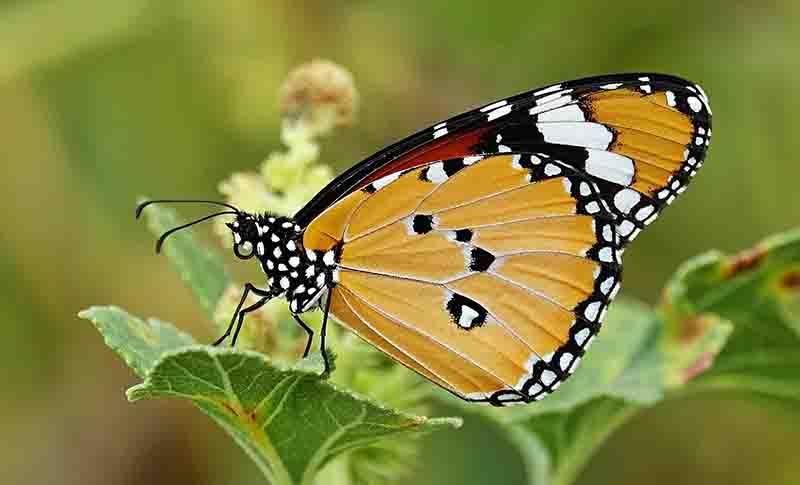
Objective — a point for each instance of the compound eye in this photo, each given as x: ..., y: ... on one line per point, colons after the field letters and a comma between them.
x: 244, y: 250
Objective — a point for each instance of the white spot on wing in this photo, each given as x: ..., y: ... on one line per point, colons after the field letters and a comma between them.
x: 590, y: 135
x: 565, y: 360
x: 497, y: 113
x: 592, y: 207
x: 694, y: 103
x: 551, y: 169
x: 606, y: 255
x: 625, y: 199
x: 439, y: 133
x: 549, y: 89
x: 384, y: 181
x: 581, y: 336
x: 644, y: 212
x: 626, y: 227
x: 468, y: 315
x: 606, y: 285
x: 591, y: 310
x: 535, y: 389
x: 436, y: 173
x: 557, y: 96
x: 550, y: 102
x: 570, y: 112
x: 610, y: 166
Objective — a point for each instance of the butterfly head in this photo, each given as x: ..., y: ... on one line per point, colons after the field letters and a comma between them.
x: 261, y: 234
x: 246, y: 233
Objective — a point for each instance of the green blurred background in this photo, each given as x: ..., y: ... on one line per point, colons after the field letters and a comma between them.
x: 101, y: 101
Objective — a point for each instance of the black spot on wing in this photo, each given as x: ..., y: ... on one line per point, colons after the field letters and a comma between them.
x: 422, y: 224
x: 480, y: 259
x: 452, y: 166
x: 463, y: 235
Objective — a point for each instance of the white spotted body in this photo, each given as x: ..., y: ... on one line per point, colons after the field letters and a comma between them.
x: 299, y: 275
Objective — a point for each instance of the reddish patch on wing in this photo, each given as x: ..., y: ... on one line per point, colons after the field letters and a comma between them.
x: 461, y: 145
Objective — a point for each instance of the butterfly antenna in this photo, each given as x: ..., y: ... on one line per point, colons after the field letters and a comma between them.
x: 164, y: 236
x: 140, y: 207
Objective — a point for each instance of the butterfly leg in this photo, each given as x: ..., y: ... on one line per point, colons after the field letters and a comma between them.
x: 308, y: 331
x: 265, y: 297
x: 255, y: 306
x: 322, y: 330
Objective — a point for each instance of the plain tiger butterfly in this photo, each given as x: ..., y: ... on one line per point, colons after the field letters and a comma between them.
x: 484, y: 251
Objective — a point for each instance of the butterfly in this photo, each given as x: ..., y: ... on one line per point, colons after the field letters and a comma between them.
x: 483, y: 252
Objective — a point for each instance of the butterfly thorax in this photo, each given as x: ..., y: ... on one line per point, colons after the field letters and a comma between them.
x: 298, y: 274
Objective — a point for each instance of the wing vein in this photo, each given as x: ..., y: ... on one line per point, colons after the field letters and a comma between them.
x: 415, y: 329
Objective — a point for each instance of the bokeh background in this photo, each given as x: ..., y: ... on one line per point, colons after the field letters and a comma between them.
x: 102, y: 101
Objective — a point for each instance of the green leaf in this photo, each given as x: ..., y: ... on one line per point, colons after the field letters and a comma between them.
x: 288, y: 421
x: 556, y: 446
x: 140, y: 343
x: 758, y: 292
x: 201, y: 268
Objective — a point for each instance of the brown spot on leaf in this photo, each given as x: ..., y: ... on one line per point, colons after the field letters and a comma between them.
x: 744, y: 261
x: 790, y: 280
x: 692, y: 328
x: 252, y: 416
x: 229, y: 408
x: 240, y: 413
